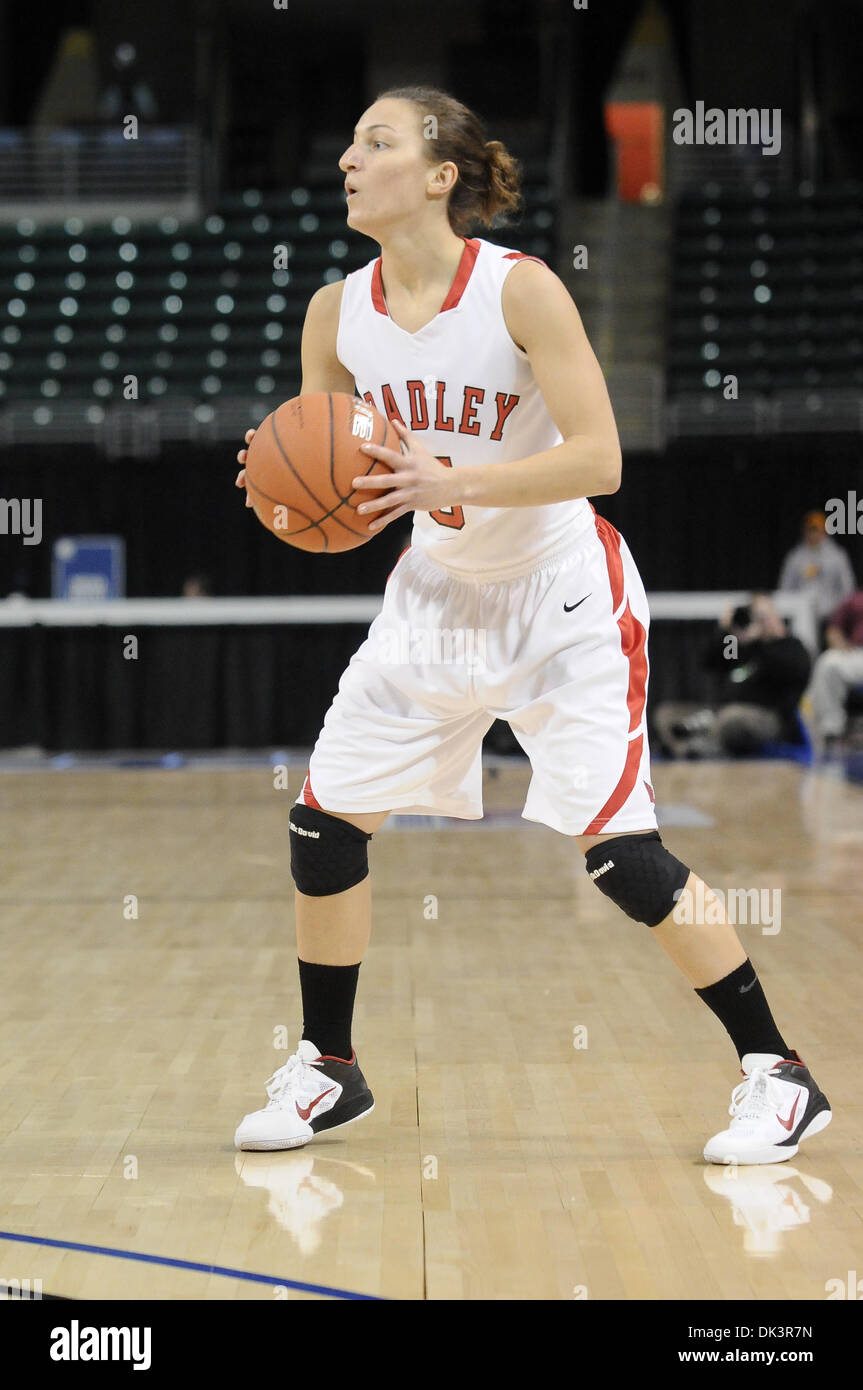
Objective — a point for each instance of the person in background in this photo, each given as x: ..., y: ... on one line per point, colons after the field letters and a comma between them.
x: 837, y: 671
x: 196, y: 586
x: 820, y: 567
x: 764, y: 671
x: 127, y: 93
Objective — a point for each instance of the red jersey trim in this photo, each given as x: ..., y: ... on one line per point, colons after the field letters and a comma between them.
x: 378, y: 290
x: 456, y: 289
x: 463, y: 274
x: 523, y: 256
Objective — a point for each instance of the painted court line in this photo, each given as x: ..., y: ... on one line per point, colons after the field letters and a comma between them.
x: 223, y: 1270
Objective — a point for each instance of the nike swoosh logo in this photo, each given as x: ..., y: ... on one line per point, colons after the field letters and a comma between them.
x: 744, y: 988
x: 786, y: 1124
x: 568, y: 607
x: 304, y: 1114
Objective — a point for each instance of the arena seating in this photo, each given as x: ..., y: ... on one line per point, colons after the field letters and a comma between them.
x: 194, y: 312
x: 767, y: 285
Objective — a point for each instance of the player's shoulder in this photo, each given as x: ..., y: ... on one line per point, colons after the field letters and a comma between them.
x: 328, y: 297
x: 524, y: 267
x: 529, y: 281
x: 535, y: 300
x: 326, y: 302
x: 493, y: 252
x: 324, y: 307
x: 520, y: 269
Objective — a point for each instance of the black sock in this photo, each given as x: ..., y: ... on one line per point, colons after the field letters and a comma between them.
x: 739, y: 1004
x: 328, y: 1006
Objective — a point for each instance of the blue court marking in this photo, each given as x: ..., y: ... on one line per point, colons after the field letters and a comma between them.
x: 191, y: 1264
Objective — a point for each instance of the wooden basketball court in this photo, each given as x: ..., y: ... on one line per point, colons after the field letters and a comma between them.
x: 544, y: 1079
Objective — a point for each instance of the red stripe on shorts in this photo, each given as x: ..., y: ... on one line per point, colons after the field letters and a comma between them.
x: 308, y: 795
x: 633, y: 644
x: 621, y: 791
x: 611, y: 540
x: 393, y: 570
x: 633, y: 641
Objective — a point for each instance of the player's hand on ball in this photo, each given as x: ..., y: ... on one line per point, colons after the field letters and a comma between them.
x: 419, y: 482
x: 241, y: 458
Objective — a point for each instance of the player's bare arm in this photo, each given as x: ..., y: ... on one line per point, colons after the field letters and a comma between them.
x: 541, y: 318
x: 322, y: 370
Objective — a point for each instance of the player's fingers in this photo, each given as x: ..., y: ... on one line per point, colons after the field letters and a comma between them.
x: 375, y: 480
x: 380, y: 504
x: 242, y: 456
x: 241, y: 478
x: 383, y: 521
x: 249, y: 435
x: 377, y: 451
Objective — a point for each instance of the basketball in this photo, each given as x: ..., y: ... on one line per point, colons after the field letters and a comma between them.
x: 301, y: 466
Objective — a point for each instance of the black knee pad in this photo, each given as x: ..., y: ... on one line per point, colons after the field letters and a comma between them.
x: 638, y: 874
x: 328, y: 855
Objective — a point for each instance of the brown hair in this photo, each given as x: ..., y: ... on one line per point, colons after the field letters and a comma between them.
x: 489, y: 177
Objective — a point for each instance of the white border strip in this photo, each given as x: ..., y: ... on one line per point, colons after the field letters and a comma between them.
x: 360, y: 608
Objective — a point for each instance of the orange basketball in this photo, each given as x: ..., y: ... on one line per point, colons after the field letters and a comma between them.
x: 301, y: 466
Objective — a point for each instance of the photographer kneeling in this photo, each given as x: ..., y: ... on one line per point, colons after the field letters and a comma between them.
x: 764, y: 673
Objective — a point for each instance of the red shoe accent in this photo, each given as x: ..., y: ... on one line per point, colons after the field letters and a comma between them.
x: 305, y: 1113
x: 786, y: 1124
x: 794, y: 1059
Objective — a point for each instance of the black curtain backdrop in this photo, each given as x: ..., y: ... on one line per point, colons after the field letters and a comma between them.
x: 189, y: 688
x: 705, y: 516
x: 70, y: 689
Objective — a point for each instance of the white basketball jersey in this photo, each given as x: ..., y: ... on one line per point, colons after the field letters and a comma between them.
x: 469, y: 393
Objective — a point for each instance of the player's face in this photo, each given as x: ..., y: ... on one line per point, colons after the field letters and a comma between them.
x: 385, y: 164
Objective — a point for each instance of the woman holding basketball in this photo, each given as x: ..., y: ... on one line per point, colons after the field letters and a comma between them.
x: 511, y: 430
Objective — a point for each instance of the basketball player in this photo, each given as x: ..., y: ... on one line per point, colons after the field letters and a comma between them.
x: 482, y: 350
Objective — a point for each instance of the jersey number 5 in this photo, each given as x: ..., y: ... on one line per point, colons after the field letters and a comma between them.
x: 448, y: 516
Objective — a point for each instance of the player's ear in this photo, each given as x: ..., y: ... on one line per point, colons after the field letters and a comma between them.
x: 452, y: 173
x: 445, y: 177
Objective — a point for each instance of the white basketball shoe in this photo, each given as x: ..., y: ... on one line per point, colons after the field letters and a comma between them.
x: 309, y: 1094
x: 775, y: 1107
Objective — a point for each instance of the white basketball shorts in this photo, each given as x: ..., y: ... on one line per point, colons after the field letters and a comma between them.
x: 560, y: 653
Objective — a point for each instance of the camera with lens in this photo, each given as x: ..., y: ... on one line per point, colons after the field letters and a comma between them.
x: 742, y: 616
